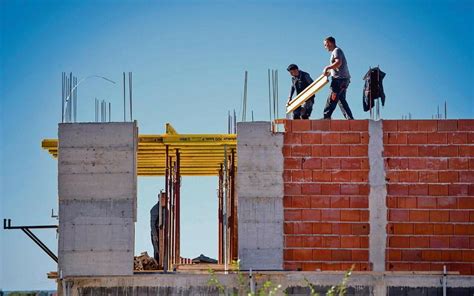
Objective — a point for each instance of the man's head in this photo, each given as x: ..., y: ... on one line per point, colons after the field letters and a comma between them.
x: 293, y: 69
x: 330, y: 43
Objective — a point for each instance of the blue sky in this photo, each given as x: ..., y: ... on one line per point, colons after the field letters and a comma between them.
x: 188, y: 60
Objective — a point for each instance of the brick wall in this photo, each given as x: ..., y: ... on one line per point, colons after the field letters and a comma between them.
x: 430, y: 194
x: 326, y: 195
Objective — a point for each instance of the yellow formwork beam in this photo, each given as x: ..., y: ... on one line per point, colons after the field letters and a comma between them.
x: 200, y: 154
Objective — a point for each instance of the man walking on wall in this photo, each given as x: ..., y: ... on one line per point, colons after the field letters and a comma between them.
x: 340, y: 80
x: 299, y: 81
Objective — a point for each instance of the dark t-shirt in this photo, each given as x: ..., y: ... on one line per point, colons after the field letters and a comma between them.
x: 299, y: 83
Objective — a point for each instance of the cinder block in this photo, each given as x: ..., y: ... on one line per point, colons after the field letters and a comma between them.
x: 88, y: 263
x: 91, y: 135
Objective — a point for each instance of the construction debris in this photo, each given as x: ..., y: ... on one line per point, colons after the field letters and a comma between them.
x: 144, y: 262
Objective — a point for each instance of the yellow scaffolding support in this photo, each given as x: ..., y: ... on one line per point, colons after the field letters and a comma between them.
x: 200, y: 154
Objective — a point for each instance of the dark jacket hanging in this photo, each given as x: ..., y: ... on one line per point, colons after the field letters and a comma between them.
x: 373, y: 88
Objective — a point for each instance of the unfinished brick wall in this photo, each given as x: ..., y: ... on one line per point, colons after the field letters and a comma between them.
x: 430, y: 194
x: 326, y: 195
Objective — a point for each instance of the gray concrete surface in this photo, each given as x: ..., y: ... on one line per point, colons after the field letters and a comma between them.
x: 97, y: 198
x: 260, y: 196
x: 377, y: 198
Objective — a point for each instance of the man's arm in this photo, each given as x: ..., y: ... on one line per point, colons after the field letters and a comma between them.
x: 308, y: 78
x: 292, y: 91
x: 337, y: 63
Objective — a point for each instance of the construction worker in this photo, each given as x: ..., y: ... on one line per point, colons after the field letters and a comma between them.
x: 340, y: 80
x: 154, y: 220
x: 299, y: 81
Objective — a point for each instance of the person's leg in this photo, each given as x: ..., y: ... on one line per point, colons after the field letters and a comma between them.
x: 331, y: 103
x: 297, y: 113
x: 343, y: 105
x: 308, y: 108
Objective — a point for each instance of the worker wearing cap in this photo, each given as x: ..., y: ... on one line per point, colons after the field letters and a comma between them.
x: 299, y: 81
x: 340, y: 80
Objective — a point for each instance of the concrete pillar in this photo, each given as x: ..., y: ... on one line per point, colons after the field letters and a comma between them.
x: 377, y: 198
x: 97, y: 198
x: 260, y: 196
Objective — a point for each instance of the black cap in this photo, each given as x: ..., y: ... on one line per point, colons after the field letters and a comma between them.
x: 292, y: 67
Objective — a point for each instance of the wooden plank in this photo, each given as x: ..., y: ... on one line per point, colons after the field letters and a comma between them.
x: 313, y: 88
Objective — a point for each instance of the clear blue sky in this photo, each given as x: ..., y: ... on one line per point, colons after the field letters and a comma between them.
x: 188, y: 60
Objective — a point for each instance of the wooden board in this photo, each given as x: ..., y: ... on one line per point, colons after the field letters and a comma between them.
x: 308, y: 92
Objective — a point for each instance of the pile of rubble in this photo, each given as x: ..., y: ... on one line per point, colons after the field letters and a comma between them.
x: 144, y: 262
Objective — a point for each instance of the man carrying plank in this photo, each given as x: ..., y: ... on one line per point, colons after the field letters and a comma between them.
x: 299, y: 81
x: 340, y: 80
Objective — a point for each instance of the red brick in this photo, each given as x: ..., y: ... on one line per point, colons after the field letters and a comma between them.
x: 340, y: 202
x: 287, y: 201
x: 360, y: 255
x: 311, y: 188
x: 287, y: 254
x: 448, y: 176
x: 360, y: 229
x: 350, y: 138
x: 459, y: 216
x: 341, y: 229
x: 320, y: 202
x: 470, y: 138
x: 303, y: 228
x: 350, y: 215
x: 390, y: 125
x: 466, y: 125
x: 359, y: 202
x: 302, y: 254
x: 399, y: 215
x: 301, y: 202
x: 310, y: 215
x: 411, y: 255
x: 419, y: 216
x: 293, y: 241
x: 301, y: 175
x: 292, y: 189
x: 396, y: 138
x: 439, y: 216
x: 447, y: 151
x: 287, y: 176
x: 320, y: 125
x: 443, y: 229
x: 292, y: 215
x: 422, y: 228
x: 300, y: 126
x: 437, y: 163
x: 428, y: 176
x: 437, y: 138
x: 312, y: 241
x: 402, y: 228
x: 408, y: 202
x: 359, y: 176
x: 349, y: 189
x: 350, y: 163
x: 330, y: 138
x: 349, y: 242
x: 359, y: 125
x: 286, y: 151
x: 417, y: 163
x: 397, y: 189
x: 418, y: 138
x: 321, y: 255
x: 310, y: 266
x: 458, y: 163
x: 436, y: 189
x: 331, y: 242
x: 418, y: 189
x: 331, y: 163
x: 424, y: 202
x: 468, y: 255
x: 312, y: 163
x: 464, y: 229
x: 428, y: 151
x: 303, y: 150
x: 341, y: 255
x: 289, y: 228
x: 330, y: 215
x: 342, y: 150
x: 320, y: 151
x: 408, y: 176
x: 459, y: 242
x: 458, y: 189
x: 431, y: 255
x: 292, y: 163
x: 364, y: 138
x: 399, y: 242
x: 408, y: 150
x: 330, y: 189
x: 321, y: 176
x: 439, y: 242
x: 310, y: 138
x: 419, y: 242
x: 397, y: 163
x: 322, y: 228
x: 339, y: 125
x: 394, y: 255
x: 390, y: 150
x: 466, y: 151
x: 364, y: 189
x: 447, y: 202
x: 407, y: 125
x: 466, y: 177
x: 292, y: 138
x: 457, y: 138
x: 447, y: 125
x: 466, y: 202
x: 427, y: 125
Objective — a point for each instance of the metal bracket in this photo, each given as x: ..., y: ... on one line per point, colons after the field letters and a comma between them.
x: 7, y: 224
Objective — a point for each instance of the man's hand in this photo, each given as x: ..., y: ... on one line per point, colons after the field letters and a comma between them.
x: 326, y: 71
x: 289, y: 100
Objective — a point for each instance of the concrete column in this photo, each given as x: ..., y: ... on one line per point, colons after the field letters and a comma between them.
x: 377, y: 198
x: 260, y: 196
x: 97, y: 198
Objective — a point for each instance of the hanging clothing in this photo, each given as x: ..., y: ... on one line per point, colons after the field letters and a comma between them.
x: 373, y: 88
